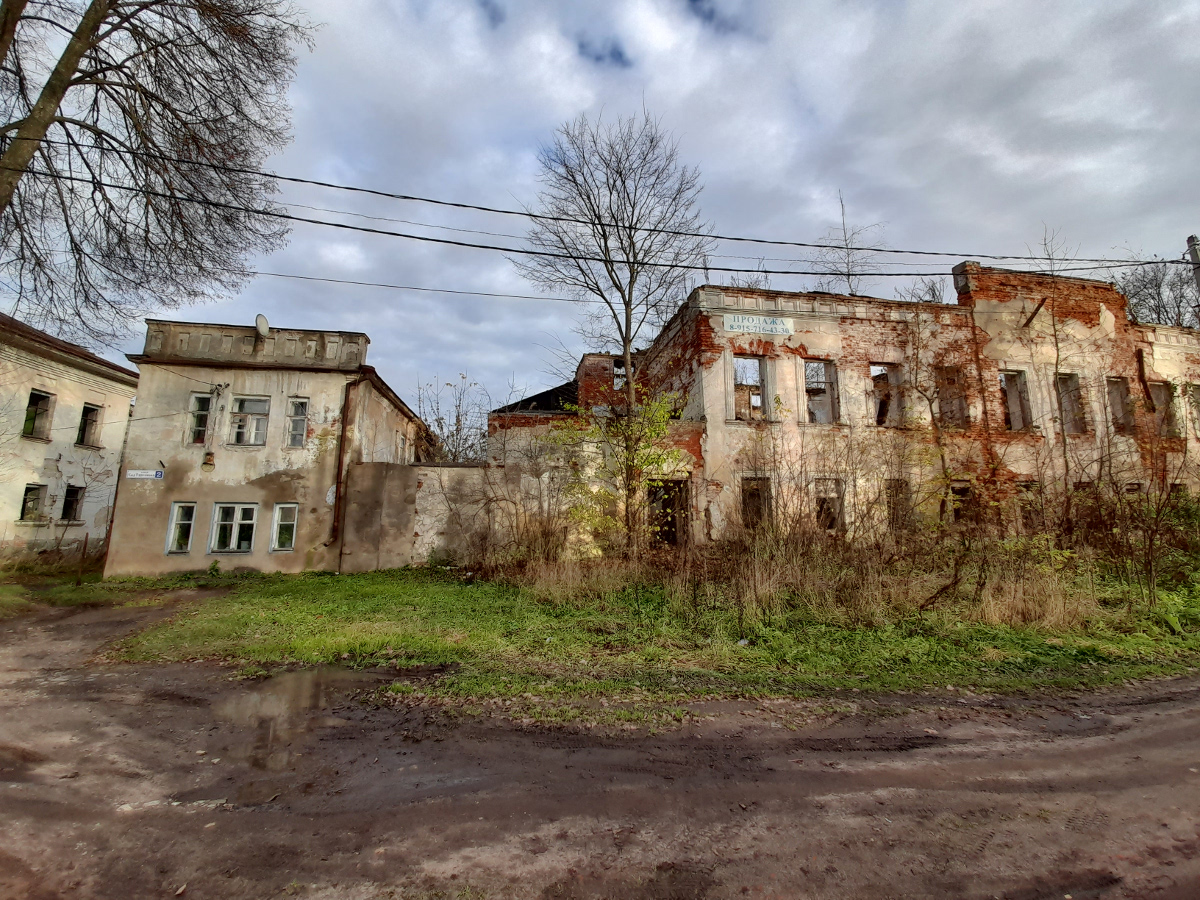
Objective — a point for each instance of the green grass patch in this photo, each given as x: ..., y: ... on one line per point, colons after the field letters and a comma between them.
x: 14, y: 600
x: 497, y: 642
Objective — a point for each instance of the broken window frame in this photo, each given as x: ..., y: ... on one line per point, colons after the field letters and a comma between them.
x: 953, y: 411
x: 181, y: 527
x: 829, y: 504
x: 33, y: 501
x: 285, y: 518
x: 755, y: 518
x: 89, y: 426
x: 297, y: 422
x: 72, y: 508
x: 963, y: 506
x: 746, y: 364
x: 248, y: 426
x: 1071, y: 403
x: 1014, y: 388
x: 886, y: 408
x: 618, y: 382
x: 199, y: 415
x: 1166, y: 422
x: 235, y: 533
x: 1120, y: 404
x: 38, y: 413
x: 821, y: 402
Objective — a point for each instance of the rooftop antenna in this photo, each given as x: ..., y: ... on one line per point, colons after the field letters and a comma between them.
x: 261, y: 326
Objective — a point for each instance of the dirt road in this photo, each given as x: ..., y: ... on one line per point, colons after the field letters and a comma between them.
x: 160, y: 781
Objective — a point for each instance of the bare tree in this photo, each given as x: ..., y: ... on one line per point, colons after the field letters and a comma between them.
x: 128, y: 132
x: 620, y: 222
x: 457, y: 414
x: 1161, y: 292
x: 848, y: 255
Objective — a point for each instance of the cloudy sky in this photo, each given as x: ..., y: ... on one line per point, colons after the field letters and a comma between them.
x: 964, y: 127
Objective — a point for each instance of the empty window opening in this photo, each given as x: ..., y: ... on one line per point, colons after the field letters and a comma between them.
x: 951, y: 397
x: 283, y: 531
x: 179, y: 531
x: 1178, y: 491
x: 37, y: 416
x: 1070, y: 400
x: 297, y: 422
x: 748, y: 388
x: 249, y: 421
x: 886, y: 409
x: 233, y: 527
x: 198, y: 418
x: 1165, y: 421
x: 829, y: 503
x: 668, y: 511
x: 1120, y: 405
x: 32, y: 502
x: 820, y: 388
x: 1031, y: 506
x: 1193, y: 395
x: 1133, y: 487
x: 962, y: 501
x: 1015, y: 391
x: 72, y: 510
x: 756, y: 502
x: 89, y: 426
x: 897, y: 494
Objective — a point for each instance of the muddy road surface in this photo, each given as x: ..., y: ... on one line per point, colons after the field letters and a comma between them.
x: 161, y: 781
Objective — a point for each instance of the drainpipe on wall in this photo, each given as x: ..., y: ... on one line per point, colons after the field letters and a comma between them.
x: 335, y: 532
x: 112, y: 510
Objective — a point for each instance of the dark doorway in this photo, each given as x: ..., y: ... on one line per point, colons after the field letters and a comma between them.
x: 756, y: 502
x: 669, y: 511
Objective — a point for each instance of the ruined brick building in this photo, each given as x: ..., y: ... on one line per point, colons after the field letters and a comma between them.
x: 861, y: 413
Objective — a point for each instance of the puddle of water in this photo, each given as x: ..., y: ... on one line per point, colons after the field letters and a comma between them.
x: 282, y: 708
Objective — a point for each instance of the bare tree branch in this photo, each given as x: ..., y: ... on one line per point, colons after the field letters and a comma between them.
x: 141, y: 91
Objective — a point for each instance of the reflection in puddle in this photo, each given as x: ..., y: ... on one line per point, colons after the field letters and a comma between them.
x: 281, y: 708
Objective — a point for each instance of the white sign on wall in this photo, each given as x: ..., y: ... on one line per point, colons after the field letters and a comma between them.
x: 144, y: 473
x: 739, y: 323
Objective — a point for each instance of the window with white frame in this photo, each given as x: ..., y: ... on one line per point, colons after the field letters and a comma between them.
x: 297, y: 421
x: 233, y: 527
x: 182, y: 524
x: 283, y: 527
x: 248, y: 424
x: 198, y: 413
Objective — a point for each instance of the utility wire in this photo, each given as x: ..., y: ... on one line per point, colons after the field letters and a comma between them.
x: 540, y: 217
x: 175, y: 197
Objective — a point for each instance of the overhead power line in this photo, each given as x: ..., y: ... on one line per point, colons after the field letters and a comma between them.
x: 567, y: 219
x: 217, y: 204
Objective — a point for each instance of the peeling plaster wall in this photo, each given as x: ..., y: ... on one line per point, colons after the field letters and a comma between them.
x: 58, y: 461
x: 159, y: 438
x: 1080, y: 328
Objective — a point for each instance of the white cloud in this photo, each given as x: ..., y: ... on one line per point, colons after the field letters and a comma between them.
x: 963, y: 126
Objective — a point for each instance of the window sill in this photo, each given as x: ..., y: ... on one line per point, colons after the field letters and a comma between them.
x: 79, y: 446
x: 33, y: 523
x: 283, y: 549
x: 230, y: 552
x: 35, y: 438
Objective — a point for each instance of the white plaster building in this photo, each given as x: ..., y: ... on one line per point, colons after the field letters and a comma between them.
x: 63, y: 416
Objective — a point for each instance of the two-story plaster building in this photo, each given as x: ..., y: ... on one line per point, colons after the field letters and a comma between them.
x: 63, y: 414
x: 241, y: 446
